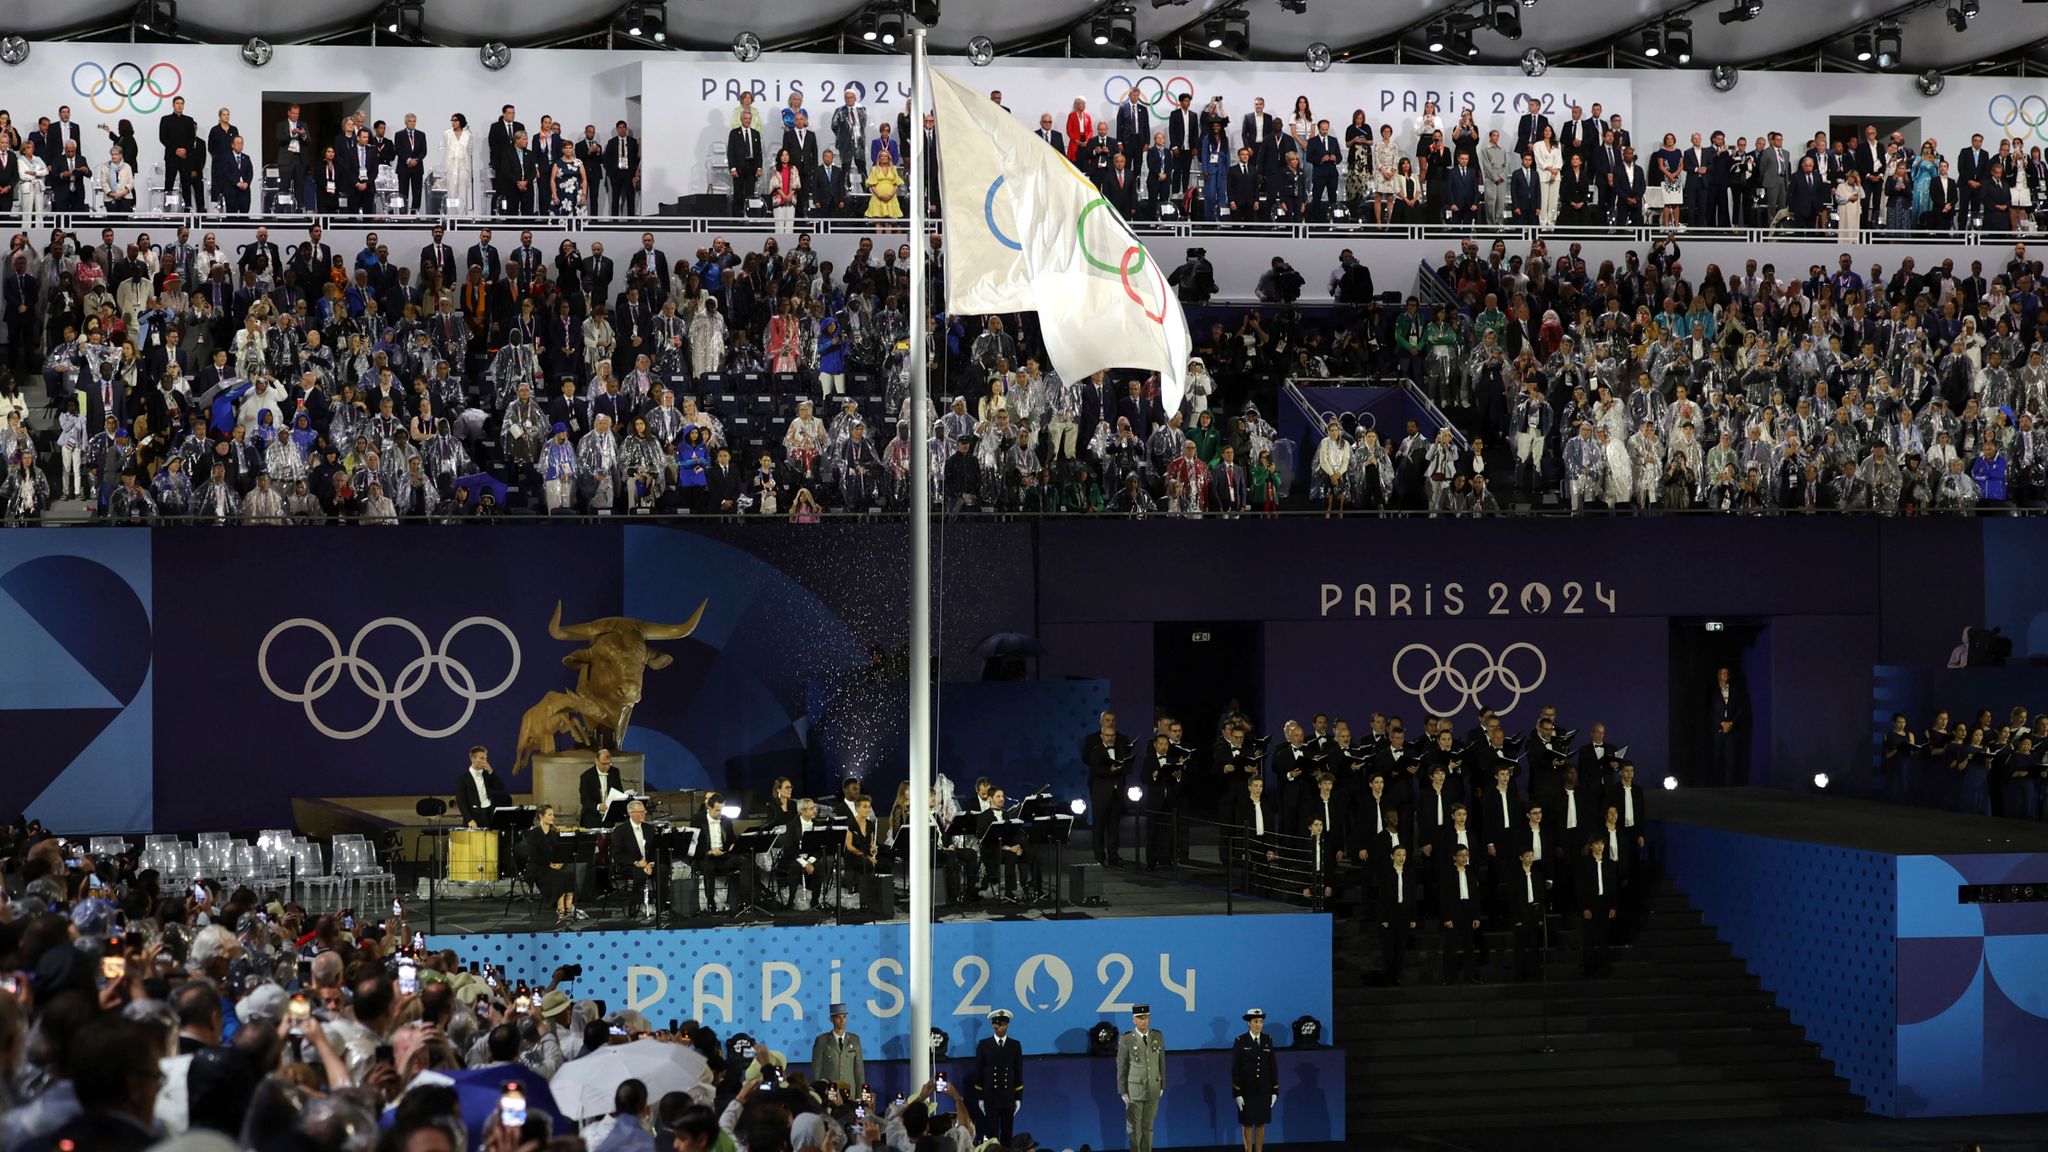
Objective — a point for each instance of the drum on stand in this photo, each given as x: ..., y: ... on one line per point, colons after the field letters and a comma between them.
x: 472, y: 854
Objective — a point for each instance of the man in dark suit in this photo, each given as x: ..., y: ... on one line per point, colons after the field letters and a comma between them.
x: 479, y: 790
x: 294, y: 153
x: 409, y: 152
x: 503, y: 138
x: 359, y: 174
x: 439, y: 257
x: 1499, y: 808
x: 1973, y: 170
x: 1107, y: 757
x: 50, y: 143
x: 826, y: 187
x: 1809, y: 196
x: 633, y: 860
x: 1227, y: 484
x: 1396, y: 907
x: 483, y: 254
x: 743, y: 161
x: 1159, y: 168
x: 1525, y: 895
x: 18, y: 298
x: 1944, y: 197
x: 998, y: 1080
x: 1530, y: 128
x: 1525, y: 193
x: 1699, y: 167
x: 1458, y: 897
x: 1260, y: 134
x: 1464, y: 192
x: 1054, y: 138
x: 601, y: 269
x: 598, y: 781
x: 240, y: 172
x: 802, y: 143
x: 1133, y: 123
x: 1241, y: 188
x: 68, y: 173
x: 184, y: 159
x: 1724, y: 718
x: 1579, y: 137
x: 716, y: 851
x: 1599, y: 890
x: 1142, y: 411
x: 1184, y: 136
x: 517, y: 180
x: 1325, y: 162
x: 622, y: 170
x: 1119, y: 185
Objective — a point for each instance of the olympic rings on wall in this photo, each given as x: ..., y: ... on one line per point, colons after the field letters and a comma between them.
x: 127, y: 85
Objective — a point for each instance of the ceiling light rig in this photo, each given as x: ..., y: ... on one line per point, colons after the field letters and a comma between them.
x: 645, y: 20
x: 1111, y: 31
x: 1744, y: 10
x: 1228, y: 31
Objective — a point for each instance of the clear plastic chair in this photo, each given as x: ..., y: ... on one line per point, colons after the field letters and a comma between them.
x: 107, y: 846
x: 318, y: 889
x: 356, y: 861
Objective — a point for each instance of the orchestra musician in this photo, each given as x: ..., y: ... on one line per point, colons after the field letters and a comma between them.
x: 480, y: 790
x: 598, y: 781
x: 633, y: 857
x: 547, y: 868
x: 715, y: 852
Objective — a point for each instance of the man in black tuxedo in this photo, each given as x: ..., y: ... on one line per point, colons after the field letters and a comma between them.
x: 1184, y: 136
x: 1809, y: 196
x: 1724, y: 718
x: 439, y: 257
x: 622, y: 170
x: 716, y: 852
x: 743, y: 161
x: 1599, y: 891
x: 1396, y: 907
x: 1500, y: 810
x: 479, y: 790
x: 598, y: 781
x: 1107, y: 757
x: 1973, y: 169
x: 359, y: 174
x: 825, y: 187
x: 184, y: 159
x: 409, y: 152
x: 1530, y: 128
x: 633, y: 863
x: 998, y: 1080
x: 1458, y: 897
x: 1241, y: 188
x: 1599, y: 758
x: 1525, y: 896
x: 1050, y: 135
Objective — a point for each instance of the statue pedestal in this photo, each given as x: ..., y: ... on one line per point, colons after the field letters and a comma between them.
x: 558, y: 775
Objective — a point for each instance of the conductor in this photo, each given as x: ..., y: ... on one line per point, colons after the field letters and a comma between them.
x: 998, y: 1078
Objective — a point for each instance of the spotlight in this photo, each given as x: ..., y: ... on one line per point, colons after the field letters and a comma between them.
x: 889, y: 26
x: 870, y: 28
x: 1102, y: 31
x: 256, y: 51
x: 1114, y: 30
x: 158, y: 16
x: 1820, y: 781
x: 1970, y: 8
x: 1930, y: 83
x: 1678, y: 40
x: 926, y: 11
x: 1228, y: 31
x: 494, y: 55
x: 1653, y: 43
x: 1723, y: 77
x: 1861, y: 42
x: 1134, y: 793
x: 1534, y: 62
x: 1318, y: 58
x: 1743, y: 10
x: 390, y: 17
x: 1078, y: 807
x: 1462, y: 45
x: 13, y: 50
x: 730, y: 811
x: 1957, y: 19
x: 980, y: 51
x: 1439, y: 33
x: 1298, y: 7
x: 1889, y: 43
x: 1506, y: 18
x: 1148, y: 55
x: 746, y: 47
x: 1671, y: 783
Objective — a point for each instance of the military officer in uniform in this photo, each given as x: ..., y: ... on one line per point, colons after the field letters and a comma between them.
x: 1254, y: 1080
x: 1140, y: 1077
x: 836, y: 1056
x: 998, y: 1078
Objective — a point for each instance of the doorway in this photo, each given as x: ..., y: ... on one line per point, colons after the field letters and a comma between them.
x: 1699, y: 648
x: 1851, y: 128
x: 323, y: 113
x: 1201, y: 670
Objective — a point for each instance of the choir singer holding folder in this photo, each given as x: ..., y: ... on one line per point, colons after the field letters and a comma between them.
x: 1108, y: 759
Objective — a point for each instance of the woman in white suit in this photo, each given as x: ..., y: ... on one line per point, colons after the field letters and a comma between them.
x: 455, y: 144
x: 29, y: 194
x: 1333, y: 460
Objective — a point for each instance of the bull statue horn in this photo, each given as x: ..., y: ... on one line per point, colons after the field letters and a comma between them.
x: 573, y: 631
x: 673, y: 631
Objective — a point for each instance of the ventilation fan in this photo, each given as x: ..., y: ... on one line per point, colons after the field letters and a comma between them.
x: 256, y: 52
x: 1318, y: 58
x: 1534, y: 62
x: 13, y: 49
x: 746, y: 47
x: 981, y: 50
x: 494, y: 55
x: 1930, y: 83
x: 1723, y: 77
x: 1148, y: 54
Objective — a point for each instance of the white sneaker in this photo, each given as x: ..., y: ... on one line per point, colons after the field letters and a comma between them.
x: 578, y: 914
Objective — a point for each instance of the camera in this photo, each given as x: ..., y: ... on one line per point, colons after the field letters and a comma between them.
x: 572, y: 971
x: 1198, y: 253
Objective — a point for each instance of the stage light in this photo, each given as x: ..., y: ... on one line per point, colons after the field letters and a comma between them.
x: 1958, y: 19
x: 1463, y: 45
x: 730, y: 811
x: 870, y: 28
x: 1723, y: 78
x: 1671, y: 783
x: 1678, y: 40
x: 1298, y: 7
x: 1439, y: 33
x: 1102, y: 1039
x: 1861, y: 43
x: 1930, y: 83
x: 746, y: 47
x: 1534, y: 62
x: 1079, y: 807
x: 1653, y: 44
x: 1970, y: 8
x: 1148, y: 55
x: 1820, y: 780
x: 1743, y: 10
x: 1134, y: 793
x: 1506, y: 18
x: 256, y: 52
x: 980, y: 51
x: 158, y: 16
x: 1890, y: 45
x: 1229, y: 31
x: 1318, y: 58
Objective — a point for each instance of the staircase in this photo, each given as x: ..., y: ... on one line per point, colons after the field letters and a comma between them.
x: 1681, y: 1031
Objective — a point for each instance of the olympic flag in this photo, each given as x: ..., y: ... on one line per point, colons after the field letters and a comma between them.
x: 1030, y: 233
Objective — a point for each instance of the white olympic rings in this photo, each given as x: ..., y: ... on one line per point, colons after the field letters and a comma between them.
x: 410, y: 679
x: 1443, y: 674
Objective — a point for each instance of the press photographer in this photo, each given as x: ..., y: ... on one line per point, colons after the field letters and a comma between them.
x: 1196, y: 279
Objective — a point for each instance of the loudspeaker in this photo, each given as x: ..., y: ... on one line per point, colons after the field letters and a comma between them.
x: 1084, y: 883
x: 878, y: 895
x: 682, y: 896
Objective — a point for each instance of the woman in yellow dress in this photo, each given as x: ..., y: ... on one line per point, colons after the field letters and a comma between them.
x: 884, y: 181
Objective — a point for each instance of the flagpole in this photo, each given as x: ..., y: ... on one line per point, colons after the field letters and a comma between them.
x: 920, y: 597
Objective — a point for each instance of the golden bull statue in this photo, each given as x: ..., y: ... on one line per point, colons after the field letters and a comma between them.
x: 609, y: 672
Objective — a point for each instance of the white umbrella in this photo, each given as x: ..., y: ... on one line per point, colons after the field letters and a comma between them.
x: 584, y: 1086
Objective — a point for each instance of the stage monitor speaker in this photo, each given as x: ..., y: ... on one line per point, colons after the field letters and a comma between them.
x: 1084, y: 883
x: 683, y: 896
x: 878, y: 895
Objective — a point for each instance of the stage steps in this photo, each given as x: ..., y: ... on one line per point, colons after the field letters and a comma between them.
x: 1680, y: 1032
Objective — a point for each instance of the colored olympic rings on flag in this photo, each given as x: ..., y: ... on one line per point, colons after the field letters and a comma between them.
x: 128, y: 85
x: 988, y: 213
x: 1162, y: 98
x: 1081, y: 238
x: 1124, y: 274
x: 2030, y: 110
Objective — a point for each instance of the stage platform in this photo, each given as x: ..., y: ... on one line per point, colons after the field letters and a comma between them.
x: 1843, y: 822
x: 1851, y: 912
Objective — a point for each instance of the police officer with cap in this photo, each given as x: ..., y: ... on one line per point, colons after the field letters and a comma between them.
x: 998, y: 1078
x: 1140, y: 1077
x: 1254, y: 1079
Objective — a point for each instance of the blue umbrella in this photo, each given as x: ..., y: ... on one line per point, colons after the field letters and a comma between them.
x: 479, y: 1089
x: 475, y: 485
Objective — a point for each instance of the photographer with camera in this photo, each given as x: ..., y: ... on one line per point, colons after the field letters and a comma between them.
x: 1350, y: 280
x: 1195, y: 280
x: 1280, y: 284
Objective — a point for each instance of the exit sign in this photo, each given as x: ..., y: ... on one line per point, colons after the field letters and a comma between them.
x: 1201, y: 638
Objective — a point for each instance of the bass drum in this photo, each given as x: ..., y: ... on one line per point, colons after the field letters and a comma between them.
x: 472, y: 854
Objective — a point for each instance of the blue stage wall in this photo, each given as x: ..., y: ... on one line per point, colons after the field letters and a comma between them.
x: 1058, y: 978
x: 164, y: 720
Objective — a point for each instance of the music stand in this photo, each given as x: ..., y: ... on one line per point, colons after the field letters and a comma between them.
x: 1054, y: 828
x: 750, y: 843
x: 615, y: 813
x: 666, y: 842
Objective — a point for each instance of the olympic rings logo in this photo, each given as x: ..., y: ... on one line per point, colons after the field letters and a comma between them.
x: 1163, y: 98
x: 2015, y: 112
x: 371, y: 682
x: 127, y: 85
x: 1130, y: 263
x: 1465, y: 688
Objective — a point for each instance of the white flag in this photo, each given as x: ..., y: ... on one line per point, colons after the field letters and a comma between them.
x: 1028, y: 232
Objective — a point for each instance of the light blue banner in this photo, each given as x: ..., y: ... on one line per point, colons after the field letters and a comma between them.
x: 1058, y: 978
